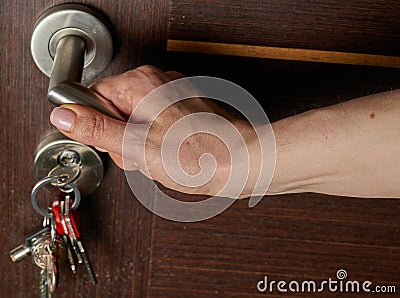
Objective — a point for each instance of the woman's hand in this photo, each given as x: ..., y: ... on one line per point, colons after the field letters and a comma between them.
x: 145, y: 135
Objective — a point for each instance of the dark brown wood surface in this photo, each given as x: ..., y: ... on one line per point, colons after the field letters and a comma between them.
x: 136, y: 254
x: 116, y: 228
x: 291, y: 237
x: 360, y: 26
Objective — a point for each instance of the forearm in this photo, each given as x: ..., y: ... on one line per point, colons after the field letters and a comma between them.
x: 349, y: 149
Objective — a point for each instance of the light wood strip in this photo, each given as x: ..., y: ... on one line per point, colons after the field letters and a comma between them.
x: 282, y: 53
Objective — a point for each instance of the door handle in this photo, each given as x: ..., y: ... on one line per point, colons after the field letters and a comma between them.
x: 71, y: 42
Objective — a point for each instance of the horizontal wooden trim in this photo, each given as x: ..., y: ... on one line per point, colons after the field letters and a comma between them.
x: 282, y: 53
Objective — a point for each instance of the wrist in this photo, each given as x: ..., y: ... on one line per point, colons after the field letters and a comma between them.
x: 301, y: 156
x: 260, y: 147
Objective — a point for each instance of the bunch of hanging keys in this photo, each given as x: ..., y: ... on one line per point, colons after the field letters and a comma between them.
x: 59, y: 238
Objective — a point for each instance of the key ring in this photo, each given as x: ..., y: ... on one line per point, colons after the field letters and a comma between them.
x: 49, y: 180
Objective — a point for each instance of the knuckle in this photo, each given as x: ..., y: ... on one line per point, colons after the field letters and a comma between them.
x: 177, y: 73
x: 93, y: 128
x: 120, y: 94
x: 149, y: 70
x: 172, y: 74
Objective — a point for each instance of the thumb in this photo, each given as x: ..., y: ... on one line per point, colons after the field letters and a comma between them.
x: 88, y: 126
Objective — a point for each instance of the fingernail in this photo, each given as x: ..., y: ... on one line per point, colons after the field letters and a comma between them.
x: 63, y: 118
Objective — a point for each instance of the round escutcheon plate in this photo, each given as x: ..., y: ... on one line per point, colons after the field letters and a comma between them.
x: 72, y: 19
x: 48, y: 157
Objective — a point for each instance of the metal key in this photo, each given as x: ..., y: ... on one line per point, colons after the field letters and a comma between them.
x: 40, y: 251
x: 43, y: 289
x: 52, y: 273
x: 68, y: 167
x: 44, y: 256
x: 67, y: 224
x: 49, y: 240
x: 24, y: 250
x: 60, y: 228
x: 48, y: 278
x: 61, y: 231
x: 66, y: 232
x: 72, y: 228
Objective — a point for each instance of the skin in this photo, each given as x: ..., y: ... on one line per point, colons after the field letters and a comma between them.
x: 349, y: 149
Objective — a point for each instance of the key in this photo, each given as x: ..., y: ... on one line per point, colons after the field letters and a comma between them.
x: 72, y: 229
x: 68, y: 168
x: 67, y: 224
x: 43, y: 290
x: 24, y: 250
x: 69, y: 254
x: 40, y: 250
x: 46, y: 250
x: 48, y: 279
x: 56, y: 209
x: 52, y: 273
x: 44, y: 256
x: 61, y: 226
x: 67, y: 175
x: 58, y: 247
x: 61, y: 231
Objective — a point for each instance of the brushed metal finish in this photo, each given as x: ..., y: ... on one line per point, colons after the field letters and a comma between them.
x: 20, y: 253
x: 71, y: 44
x: 47, y: 158
x: 90, y: 49
x: 68, y: 61
x: 74, y: 93
x: 72, y: 19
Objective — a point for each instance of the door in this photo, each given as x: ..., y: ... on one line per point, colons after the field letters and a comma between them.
x: 292, y: 237
x: 122, y: 264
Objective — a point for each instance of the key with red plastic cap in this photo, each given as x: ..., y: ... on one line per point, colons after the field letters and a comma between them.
x: 61, y: 227
x: 73, y: 231
x: 61, y: 230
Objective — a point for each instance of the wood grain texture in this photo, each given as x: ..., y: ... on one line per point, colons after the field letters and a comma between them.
x: 116, y: 228
x: 292, y: 237
x: 355, y: 26
x: 285, y: 88
x: 297, y: 237
x: 137, y: 255
x: 304, y: 55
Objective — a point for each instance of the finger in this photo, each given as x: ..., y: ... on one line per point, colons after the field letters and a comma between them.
x: 100, y: 149
x: 174, y: 75
x: 117, y: 160
x: 91, y: 127
x: 128, y: 89
x: 124, y: 164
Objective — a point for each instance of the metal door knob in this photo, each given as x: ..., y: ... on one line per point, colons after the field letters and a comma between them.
x: 70, y: 43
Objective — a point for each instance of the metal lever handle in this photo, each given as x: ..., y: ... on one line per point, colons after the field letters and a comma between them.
x: 71, y: 42
x: 66, y: 74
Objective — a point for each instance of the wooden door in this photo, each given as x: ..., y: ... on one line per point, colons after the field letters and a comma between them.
x: 293, y: 237
x: 120, y: 263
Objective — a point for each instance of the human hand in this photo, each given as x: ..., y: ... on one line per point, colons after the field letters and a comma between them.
x: 146, y: 135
